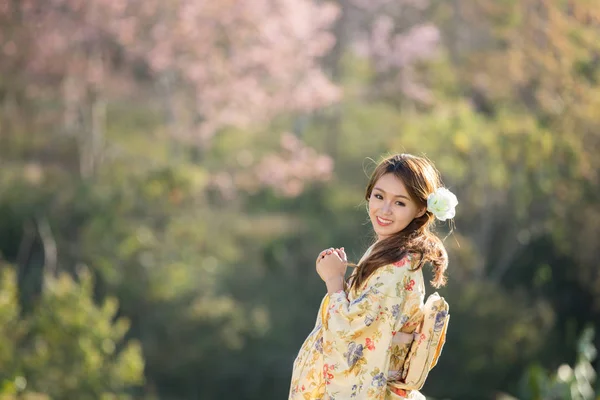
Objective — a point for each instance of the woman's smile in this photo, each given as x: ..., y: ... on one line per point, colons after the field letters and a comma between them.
x: 383, y: 222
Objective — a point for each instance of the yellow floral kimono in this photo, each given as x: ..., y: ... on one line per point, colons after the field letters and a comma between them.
x: 359, y: 343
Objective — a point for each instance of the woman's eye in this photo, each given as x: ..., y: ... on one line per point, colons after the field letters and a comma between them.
x: 400, y: 203
x: 378, y: 196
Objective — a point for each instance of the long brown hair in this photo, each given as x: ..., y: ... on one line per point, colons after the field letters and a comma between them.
x: 420, y: 178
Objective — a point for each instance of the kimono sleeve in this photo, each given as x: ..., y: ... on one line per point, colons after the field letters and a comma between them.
x: 357, y: 334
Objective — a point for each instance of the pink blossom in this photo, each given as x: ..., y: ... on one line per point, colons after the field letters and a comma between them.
x: 239, y: 62
x: 394, y: 50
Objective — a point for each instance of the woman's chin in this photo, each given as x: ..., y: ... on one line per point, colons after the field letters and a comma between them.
x: 383, y: 232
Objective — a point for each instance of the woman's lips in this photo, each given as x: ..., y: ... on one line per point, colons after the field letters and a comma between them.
x: 383, y: 222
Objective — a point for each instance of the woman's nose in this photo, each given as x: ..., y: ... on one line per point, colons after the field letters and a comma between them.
x: 387, y: 208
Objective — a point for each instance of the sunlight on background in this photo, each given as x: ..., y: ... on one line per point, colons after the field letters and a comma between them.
x: 170, y: 170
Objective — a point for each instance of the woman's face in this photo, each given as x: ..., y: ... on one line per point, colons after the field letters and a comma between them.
x: 390, y: 207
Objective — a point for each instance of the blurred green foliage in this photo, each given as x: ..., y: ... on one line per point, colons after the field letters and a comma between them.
x: 68, y: 347
x: 570, y: 383
x: 207, y: 247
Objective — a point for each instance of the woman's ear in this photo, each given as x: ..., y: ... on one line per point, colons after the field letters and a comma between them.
x: 421, y: 212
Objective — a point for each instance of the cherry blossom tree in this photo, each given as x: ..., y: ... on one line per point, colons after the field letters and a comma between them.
x: 243, y: 61
x: 216, y: 64
x: 395, y: 36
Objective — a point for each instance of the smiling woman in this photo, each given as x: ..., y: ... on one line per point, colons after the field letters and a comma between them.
x: 369, y: 340
x: 390, y: 207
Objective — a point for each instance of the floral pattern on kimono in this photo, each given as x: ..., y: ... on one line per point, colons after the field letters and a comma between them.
x: 352, y: 353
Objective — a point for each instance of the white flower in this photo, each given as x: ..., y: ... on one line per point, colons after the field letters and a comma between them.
x: 442, y: 204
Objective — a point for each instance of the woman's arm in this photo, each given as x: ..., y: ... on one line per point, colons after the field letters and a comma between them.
x: 357, y: 335
x: 335, y: 284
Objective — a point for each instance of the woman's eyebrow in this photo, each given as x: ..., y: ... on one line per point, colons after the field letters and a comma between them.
x: 395, y: 195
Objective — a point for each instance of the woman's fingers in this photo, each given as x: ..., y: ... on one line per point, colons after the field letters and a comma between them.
x: 337, y: 253
x: 324, y: 253
x: 339, y: 256
x: 341, y: 253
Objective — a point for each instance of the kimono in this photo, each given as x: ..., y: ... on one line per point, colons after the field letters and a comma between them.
x: 359, y: 343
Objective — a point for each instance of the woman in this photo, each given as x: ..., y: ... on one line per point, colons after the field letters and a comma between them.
x: 364, y: 328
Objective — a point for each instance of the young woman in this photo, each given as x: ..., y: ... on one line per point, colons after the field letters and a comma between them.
x: 364, y: 328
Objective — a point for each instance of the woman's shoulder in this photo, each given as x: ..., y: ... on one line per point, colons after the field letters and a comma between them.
x: 407, y: 265
x: 397, y: 276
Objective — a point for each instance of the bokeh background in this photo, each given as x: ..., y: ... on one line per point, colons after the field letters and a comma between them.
x: 171, y: 169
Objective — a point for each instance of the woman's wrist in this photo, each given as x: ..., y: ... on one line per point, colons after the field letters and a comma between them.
x: 335, y: 284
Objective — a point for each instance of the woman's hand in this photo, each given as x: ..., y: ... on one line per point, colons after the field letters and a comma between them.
x: 330, y: 250
x: 331, y: 267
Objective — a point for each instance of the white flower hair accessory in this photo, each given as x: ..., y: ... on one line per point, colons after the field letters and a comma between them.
x: 442, y: 204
